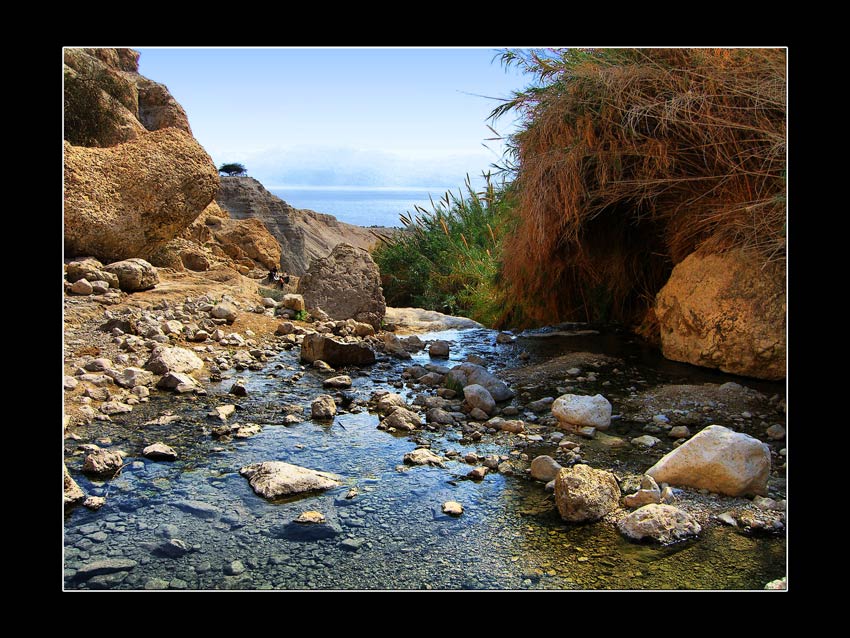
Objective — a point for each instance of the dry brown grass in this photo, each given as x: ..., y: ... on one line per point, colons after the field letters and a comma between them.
x: 628, y: 160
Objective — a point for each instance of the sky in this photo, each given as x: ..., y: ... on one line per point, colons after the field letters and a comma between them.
x: 339, y: 116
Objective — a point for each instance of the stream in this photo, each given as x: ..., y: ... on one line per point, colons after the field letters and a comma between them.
x: 392, y: 534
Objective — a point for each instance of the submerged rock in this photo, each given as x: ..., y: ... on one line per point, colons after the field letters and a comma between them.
x: 661, y: 523
x: 274, y: 479
x: 717, y: 459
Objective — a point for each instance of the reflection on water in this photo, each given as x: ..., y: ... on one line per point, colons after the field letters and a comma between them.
x: 392, y: 535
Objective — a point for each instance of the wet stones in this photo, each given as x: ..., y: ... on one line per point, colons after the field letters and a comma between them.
x: 648, y: 493
x: 105, y: 566
x: 72, y: 493
x: 402, y: 419
x: 466, y: 374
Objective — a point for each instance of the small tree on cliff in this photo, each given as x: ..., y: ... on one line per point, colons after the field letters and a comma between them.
x: 232, y: 169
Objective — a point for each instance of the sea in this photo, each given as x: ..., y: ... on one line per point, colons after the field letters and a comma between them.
x: 360, y: 206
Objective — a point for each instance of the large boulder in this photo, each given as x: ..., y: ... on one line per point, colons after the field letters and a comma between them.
x: 128, y: 200
x: 173, y: 359
x: 584, y: 494
x: 133, y: 274
x: 466, y: 374
x: 346, y: 285
x: 725, y: 311
x: 578, y: 410
x: 719, y: 460
x: 661, y: 523
x: 335, y: 353
x: 274, y: 479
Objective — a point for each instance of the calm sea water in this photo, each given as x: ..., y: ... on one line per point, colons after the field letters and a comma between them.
x: 364, y: 207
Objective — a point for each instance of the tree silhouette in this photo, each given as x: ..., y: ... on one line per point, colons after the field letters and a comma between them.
x: 232, y: 169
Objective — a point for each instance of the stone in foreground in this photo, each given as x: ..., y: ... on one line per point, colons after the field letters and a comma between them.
x: 274, y: 479
x: 133, y: 274
x: 661, y: 523
x: 576, y: 410
x: 719, y: 460
x: 102, y: 462
x: 584, y: 494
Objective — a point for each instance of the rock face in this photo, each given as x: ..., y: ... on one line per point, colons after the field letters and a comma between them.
x: 469, y: 373
x: 128, y: 200
x: 133, y: 274
x: 274, y: 479
x: 334, y: 352
x: 346, y: 285
x: 661, y: 523
x: 584, y: 494
x: 251, y: 239
x: 717, y: 459
x: 303, y: 235
x: 582, y: 411
x: 726, y: 312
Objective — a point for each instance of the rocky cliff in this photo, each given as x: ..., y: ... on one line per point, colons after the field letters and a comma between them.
x: 304, y: 235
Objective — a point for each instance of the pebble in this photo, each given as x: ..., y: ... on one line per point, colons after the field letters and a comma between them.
x: 452, y: 508
x: 352, y: 544
x: 776, y: 432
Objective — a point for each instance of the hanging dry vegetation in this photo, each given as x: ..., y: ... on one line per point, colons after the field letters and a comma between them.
x: 627, y: 161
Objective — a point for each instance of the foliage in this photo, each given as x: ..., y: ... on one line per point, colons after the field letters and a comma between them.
x: 272, y: 293
x: 448, y: 258
x: 627, y: 160
x: 233, y: 169
x: 91, y: 101
x: 302, y: 315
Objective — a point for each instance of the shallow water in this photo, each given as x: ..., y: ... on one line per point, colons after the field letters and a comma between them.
x: 509, y: 537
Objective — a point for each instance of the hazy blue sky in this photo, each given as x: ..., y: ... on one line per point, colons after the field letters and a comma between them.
x: 344, y: 117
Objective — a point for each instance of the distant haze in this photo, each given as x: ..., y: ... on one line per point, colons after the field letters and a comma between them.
x: 341, y: 117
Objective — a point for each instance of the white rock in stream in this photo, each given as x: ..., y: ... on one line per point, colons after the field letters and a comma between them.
x: 575, y: 410
x: 274, y: 479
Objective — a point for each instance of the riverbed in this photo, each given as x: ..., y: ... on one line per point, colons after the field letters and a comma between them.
x: 392, y: 534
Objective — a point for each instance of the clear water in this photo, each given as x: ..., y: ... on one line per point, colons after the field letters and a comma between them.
x: 509, y: 537
x: 362, y: 207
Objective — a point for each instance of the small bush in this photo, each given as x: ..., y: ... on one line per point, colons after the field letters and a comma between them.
x: 90, y: 115
x: 302, y: 315
x: 448, y: 258
x: 272, y: 293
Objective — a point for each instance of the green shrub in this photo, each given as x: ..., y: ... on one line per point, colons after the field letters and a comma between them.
x: 448, y: 258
